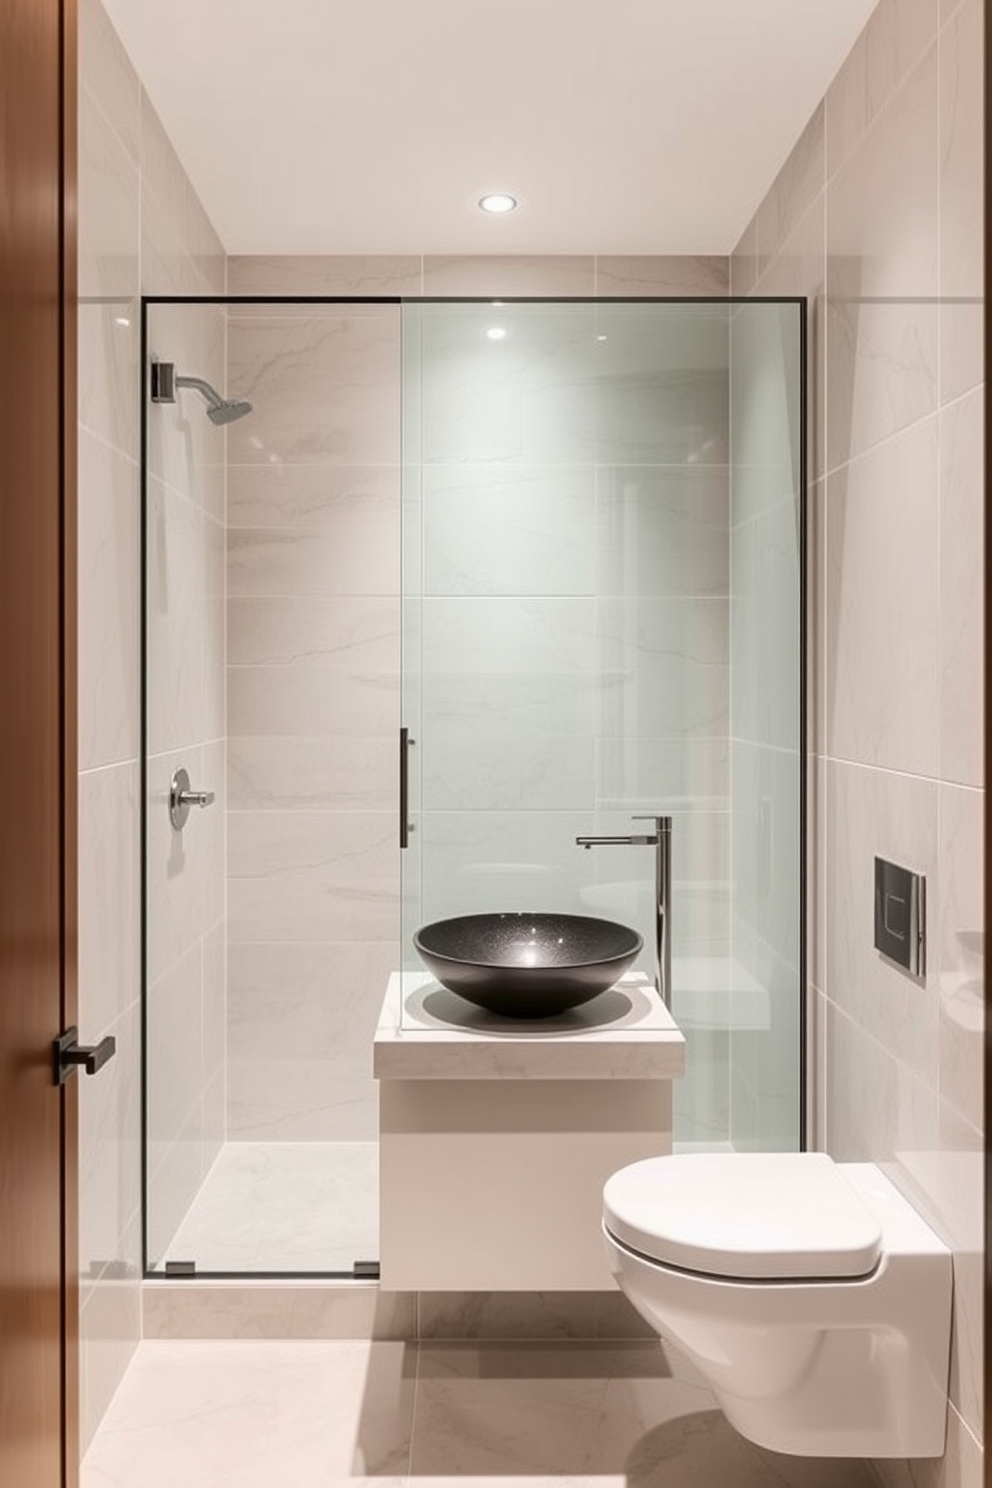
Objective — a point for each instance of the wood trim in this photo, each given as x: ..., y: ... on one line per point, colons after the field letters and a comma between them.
x: 68, y: 231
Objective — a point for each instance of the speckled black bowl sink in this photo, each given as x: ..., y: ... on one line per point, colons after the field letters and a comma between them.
x: 527, y: 965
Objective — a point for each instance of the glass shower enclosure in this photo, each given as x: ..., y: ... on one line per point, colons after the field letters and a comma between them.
x: 561, y: 544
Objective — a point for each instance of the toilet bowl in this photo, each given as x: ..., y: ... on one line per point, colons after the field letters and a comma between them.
x: 809, y: 1293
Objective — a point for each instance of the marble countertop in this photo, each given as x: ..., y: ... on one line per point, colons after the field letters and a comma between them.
x: 428, y: 1033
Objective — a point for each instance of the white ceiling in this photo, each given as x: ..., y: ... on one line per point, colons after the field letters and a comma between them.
x: 373, y: 126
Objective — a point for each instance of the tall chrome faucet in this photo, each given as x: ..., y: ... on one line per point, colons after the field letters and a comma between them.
x: 661, y: 840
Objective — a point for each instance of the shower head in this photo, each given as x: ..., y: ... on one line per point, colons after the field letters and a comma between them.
x: 219, y: 410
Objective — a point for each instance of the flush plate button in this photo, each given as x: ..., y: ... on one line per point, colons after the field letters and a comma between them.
x: 900, y: 915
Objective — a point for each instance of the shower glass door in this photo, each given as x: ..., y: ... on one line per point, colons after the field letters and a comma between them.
x: 602, y: 571
x: 271, y: 676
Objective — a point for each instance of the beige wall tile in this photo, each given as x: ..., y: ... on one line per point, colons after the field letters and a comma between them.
x: 109, y: 904
x: 110, y: 1155
x: 367, y: 274
x: 360, y: 556
x: 882, y: 647
x: 164, y: 178
x: 882, y: 241
x: 961, y: 202
x: 876, y: 1111
x: 110, y: 1327
x: 794, y: 190
x: 846, y: 105
x: 325, y: 499
x: 957, y: 947
x: 354, y: 634
x: 897, y: 35
x: 744, y: 261
x: 105, y: 71
x: 108, y: 558
x: 279, y: 774
x: 962, y: 497
x: 276, y: 701
x: 325, y: 388
x: 896, y: 817
x: 641, y: 277
x: 510, y: 276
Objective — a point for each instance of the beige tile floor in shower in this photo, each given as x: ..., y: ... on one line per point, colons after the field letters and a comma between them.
x: 310, y: 1414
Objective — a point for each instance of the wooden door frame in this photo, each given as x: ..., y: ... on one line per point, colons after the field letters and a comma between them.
x: 39, y: 1286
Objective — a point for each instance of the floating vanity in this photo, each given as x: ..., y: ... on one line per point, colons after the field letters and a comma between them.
x: 497, y: 1135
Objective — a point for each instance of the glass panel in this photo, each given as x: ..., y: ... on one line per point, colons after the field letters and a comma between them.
x: 272, y: 674
x: 570, y: 603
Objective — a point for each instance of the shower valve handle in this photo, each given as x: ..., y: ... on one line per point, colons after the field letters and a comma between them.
x: 181, y: 798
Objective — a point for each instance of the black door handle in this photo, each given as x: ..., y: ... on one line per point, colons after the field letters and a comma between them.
x: 68, y: 1053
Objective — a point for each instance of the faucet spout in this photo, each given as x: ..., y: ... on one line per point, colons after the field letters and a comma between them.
x: 661, y: 840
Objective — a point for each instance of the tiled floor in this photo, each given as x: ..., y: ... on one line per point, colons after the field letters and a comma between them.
x: 279, y: 1414
x: 284, y: 1206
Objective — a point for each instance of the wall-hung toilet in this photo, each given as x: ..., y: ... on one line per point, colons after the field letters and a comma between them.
x: 811, y: 1295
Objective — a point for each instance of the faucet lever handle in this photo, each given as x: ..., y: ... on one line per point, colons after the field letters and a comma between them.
x: 663, y: 823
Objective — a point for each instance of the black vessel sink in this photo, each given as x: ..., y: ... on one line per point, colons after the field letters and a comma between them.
x: 527, y: 965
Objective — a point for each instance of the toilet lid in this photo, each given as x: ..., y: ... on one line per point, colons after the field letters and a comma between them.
x: 762, y: 1215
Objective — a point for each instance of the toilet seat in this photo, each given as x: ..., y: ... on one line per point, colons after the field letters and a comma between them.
x: 778, y: 1216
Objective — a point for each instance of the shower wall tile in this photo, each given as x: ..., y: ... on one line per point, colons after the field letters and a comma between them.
x: 496, y: 530
x: 278, y: 701
x: 108, y: 548
x: 109, y: 1158
x: 644, y: 774
x: 324, y: 385
x: 185, y: 869
x: 664, y: 665
x: 479, y: 635
x: 175, y: 1010
x: 896, y: 36
x: 508, y: 741
x: 359, y: 556
x: 327, y: 774
x: 184, y: 449
x: 351, y: 634
x: 175, y: 619
x: 662, y: 529
x: 883, y: 648
x: 302, y: 1019
x: 363, y: 275
x: 643, y: 277
x: 312, y: 876
x: 961, y: 202
x: 744, y: 261
x: 358, y: 503
x: 541, y: 275
x: 882, y: 285
x: 962, y: 502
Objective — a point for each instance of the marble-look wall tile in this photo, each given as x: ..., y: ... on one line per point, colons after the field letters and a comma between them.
x: 327, y: 774
x: 962, y: 494
x: 961, y: 200
x: 744, y: 261
x: 184, y: 449
x: 800, y: 269
x: 361, y: 275
x: 110, y: 1327
x: 882, y: 596
x: 958, y: 950
x: 895, y: 816
x: 301, y: 1018
x: 108, y: 271
x: 359, y: 556
x: 358, y: 503
x: 882, y: 259
x: 164, y: 178
x: 324, y: 385
x: 896, y: 36
x: 630, y: 773
x: 662, y: 530
x: 278, y: 701
x: 108, y: 554
x: 312, y: 876
x: 528, y: 634
x: 109, y: 907
x: 795, y: 188
x: 175, y: 619
x: 105, y: 70
x: 541, y: 275
x: 185, y: 882
x: 174, y: 1013
x: 663, y: 665
x: 635, y: 277
x: 110, y: 1155
x: 521, y: 530
x: 350, y: 634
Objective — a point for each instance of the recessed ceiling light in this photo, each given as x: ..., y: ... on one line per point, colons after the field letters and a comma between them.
x: 497, y: 201
x: 496, y: 333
